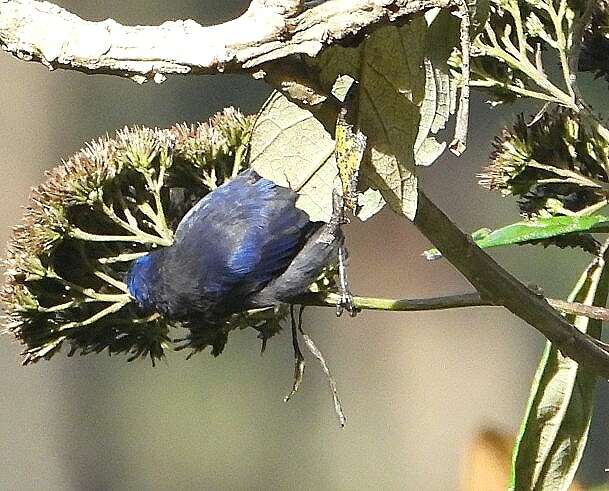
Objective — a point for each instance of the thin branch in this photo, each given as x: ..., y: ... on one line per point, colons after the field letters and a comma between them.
x: 456, y: 301
x: 499, y: 287
x: 397, y: 305
x: 269, y: 30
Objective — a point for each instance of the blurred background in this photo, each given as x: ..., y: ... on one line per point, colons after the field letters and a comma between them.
x: 423, y: 392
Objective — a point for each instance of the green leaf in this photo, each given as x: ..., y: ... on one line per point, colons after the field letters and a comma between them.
x: 534, y: 230
x: 555, y: 429
x: 404, y: 95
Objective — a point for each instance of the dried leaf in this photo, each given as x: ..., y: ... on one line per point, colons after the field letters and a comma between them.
x: 403, y: 96
x: 289, y: 146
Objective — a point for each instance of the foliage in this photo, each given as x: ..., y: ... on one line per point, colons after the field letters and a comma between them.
x: 404, y: 96
x: 555, y: 428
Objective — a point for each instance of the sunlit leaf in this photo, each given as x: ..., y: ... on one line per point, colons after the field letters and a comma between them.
x: 390, y: 67
x: 534, y: 230
x: 289, y: 146
x: 404, y: 95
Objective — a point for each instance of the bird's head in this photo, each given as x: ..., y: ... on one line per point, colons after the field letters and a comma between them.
x: 140, y: 280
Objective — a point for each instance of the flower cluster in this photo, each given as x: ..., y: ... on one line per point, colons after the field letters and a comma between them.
x: 556, y: 165
x: 112, y: 202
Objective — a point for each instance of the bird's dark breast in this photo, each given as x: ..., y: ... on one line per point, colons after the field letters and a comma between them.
x: 184, y: 289
x: 196, y: 285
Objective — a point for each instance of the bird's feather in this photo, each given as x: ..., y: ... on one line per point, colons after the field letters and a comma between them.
x: 227, y: 247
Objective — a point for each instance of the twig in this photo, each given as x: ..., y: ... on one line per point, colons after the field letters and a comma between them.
x: 446, y: 302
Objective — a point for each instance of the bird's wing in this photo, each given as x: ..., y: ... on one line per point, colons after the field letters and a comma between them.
x: 244, y: 234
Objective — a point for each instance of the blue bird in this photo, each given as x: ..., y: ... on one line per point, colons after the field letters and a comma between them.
x: 244, y: 245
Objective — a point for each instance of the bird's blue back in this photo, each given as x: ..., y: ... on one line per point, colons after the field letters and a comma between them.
x: 227, y: 247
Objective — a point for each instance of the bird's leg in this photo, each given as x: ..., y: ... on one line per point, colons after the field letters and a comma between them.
x: 349, y: 152
x: 345, y: 301
x: 299, y: 362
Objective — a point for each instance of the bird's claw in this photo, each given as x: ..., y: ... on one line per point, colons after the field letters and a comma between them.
x: 345, y: 302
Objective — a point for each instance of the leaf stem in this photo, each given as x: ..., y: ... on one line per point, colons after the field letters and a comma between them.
x: 563, y: 44
x: 514, y: 9
x: 90, y: 292
x: 516, y: 89
x: 532, y: 72
x: 121, y: 258
x: 119, y: 285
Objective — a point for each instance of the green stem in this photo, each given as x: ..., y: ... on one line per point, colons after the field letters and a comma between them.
x: 539, y: 78
x: 111, y: 309
x: 89, y: 292
x: 397, y: 305
x: 237, y: 161
x: 111, y: 214
x: 157, y: 221
x: 126, y: 211
x: 128, y: 226
x: 60, y: 307
x: 524, y: 65
x: 121, y: 258
x: 155, y: 188
x: 516, y: 89
x: 141, y: 238
x: 119, y: 285
x: 442, y: 303
x: 514, y: 9
x: 569, y: 175
x: 68, y: 305
x: 590, y: 210
x: 561, y: 41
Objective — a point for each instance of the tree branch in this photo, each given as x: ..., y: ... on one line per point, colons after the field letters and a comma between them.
x: 499, y: 287
x: 269, y: 30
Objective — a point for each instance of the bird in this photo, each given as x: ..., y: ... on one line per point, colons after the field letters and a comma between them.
x: 244, y: 245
